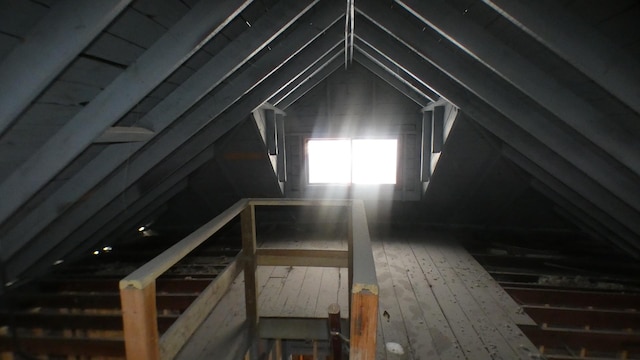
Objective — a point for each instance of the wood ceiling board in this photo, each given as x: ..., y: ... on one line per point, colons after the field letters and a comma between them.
x: 17, y: 18
x: 141, y: 164
x: 582, y: 46
x: 23, y: 69
x: 194, y: 88
x: 536, y: 84
x: 502, y: 127
x: 91, y: 72
x: 7, y: 43
x: 68, y: 93
x: 112, y: 103
x: 112, y: 49
x: 180, y: 75
x: 165, y: 13
x: 536, y: 123
x: 136, y: 28
x: 596, y: 11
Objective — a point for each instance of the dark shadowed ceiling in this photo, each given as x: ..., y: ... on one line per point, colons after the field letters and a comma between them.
x: 117, y: 113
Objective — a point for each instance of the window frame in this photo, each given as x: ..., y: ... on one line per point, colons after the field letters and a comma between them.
x: 351, y: 183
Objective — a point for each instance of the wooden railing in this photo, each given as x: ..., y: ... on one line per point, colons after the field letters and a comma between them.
x: 137, y: 291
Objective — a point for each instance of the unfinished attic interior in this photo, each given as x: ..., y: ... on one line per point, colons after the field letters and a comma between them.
x: 185, y: 179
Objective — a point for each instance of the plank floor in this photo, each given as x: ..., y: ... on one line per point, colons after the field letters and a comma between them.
x: 436, y: 302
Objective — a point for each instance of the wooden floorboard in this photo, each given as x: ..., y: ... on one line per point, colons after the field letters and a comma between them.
x: 463, y: 261
x: 330, y: 293
x: 391, y: 323
x: 467, y: 337
x: 444, y: 341
x: 496, y: 317
x: 308, y: 297
x: 399, y: 258
x: 285, y: 304
x: 435, y: 302
x: 496, y: 345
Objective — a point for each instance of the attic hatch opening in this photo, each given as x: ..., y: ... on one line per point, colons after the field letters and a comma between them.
x: 352, y: 161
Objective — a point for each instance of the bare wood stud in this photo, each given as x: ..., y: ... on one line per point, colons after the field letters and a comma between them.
x: 248, y: 224
x: 364, y: 322
x: 334, y: 331
x: 278, y: 349
x: 139, y: 316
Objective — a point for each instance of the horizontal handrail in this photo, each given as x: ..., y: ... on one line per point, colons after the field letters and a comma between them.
x: 364, y: 274
x: 303, y: 257
x: 148, y: 272
x: 298, y: 202
x: 138, y: 288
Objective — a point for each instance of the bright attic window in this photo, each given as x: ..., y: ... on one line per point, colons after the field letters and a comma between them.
x: 352, y: 161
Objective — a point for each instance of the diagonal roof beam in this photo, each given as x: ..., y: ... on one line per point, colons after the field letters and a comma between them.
x: 501, y: 126
x: 59, y: 37
x: 581, y: 218
x: 198, y: 123
x: 191, y: 32
x: 294, y: 84
x: 152, y: 202
x: 624, y: 238
x: 310, y: 83
x: 579, y: 44
x: 574, y: 111
x: 212, y: 74
x: 397, y: 79
x: 499, y: 94
x: 137, y: 205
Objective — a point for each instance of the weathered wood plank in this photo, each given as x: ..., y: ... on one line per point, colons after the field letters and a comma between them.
x: 290, y: 257
x: 248, y: 225
x: 497, y: 346
x: 267, y: 300
x: 328, y: 294
x: 288, y: 296
x: 444, y: 341
x: 460, y: 325
x: 295, y: 328
x: 415, y: 324
x: 308, y: 297
x: 392, y: 323
x: 298, y: 202
x: 490, y: 314
x: 493, y: 297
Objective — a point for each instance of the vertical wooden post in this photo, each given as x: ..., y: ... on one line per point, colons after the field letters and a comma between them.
x: 350, y: 228
x: 334, y: 329
x: 427, y: 137
x: 247, y: 219
x: 438, y: 129
x: 364, y: 322
x: 281, y: 162
x: 278, y: 349
x: 363, y: 311
x: 139, y: 316
x: 315, y: 349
